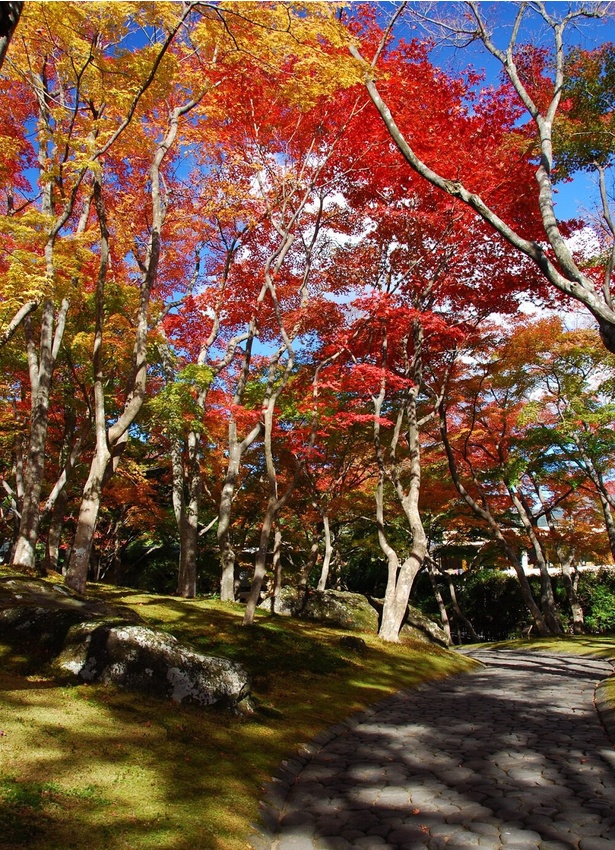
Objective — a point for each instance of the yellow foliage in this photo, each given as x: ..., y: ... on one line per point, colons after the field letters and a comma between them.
x: 81, y: 346
x: 26, y: 277
x: 302, y: 42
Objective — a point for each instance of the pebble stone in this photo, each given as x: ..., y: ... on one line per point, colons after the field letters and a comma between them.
x: 510, y: 757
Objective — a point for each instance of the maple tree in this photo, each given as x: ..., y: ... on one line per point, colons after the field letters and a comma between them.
x: 575, y: 379
x: 536, y: 86
x: 75, y: 137
x: 76, y: 142
x: 339, y: 473
x: 230, y: 304
x: 414, y: 265
x: 500, y: 432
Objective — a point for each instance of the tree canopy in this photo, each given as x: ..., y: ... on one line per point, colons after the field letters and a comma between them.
x: 263, y: 274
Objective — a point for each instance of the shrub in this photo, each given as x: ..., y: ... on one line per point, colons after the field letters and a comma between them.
x: 597, y: 595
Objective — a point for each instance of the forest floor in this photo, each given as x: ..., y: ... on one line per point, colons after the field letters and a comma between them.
x: 94, y: 767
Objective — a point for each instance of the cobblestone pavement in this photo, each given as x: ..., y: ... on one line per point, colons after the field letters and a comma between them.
x: 513, y: 756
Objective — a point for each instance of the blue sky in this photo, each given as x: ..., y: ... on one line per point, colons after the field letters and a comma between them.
x: 581, y: 194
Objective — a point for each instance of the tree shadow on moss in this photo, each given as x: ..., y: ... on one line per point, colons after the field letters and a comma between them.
x: 175, y: 776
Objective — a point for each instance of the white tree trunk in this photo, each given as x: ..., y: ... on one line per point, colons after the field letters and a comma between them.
x: 41, y: 373
x: 326, y: 561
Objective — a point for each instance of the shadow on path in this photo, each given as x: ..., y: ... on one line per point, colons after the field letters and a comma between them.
x: 512, y: 756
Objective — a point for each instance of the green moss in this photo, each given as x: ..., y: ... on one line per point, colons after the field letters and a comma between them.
x: 136, y: 773
x: 589, y: 645
x: 30, y: 809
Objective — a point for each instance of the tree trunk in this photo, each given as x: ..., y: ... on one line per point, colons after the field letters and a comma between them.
x: 570, y: 575
x: 306, y: 570
x: 400, y: 577
x: 397, y: 597
x: 78, y: 565
x: 609, y: 520
x: 275, y: 503
x: 227, y: 553
x: 236, y: 450
x: 227, y: 580
x: 277, y: 566
x: 326, y: 562
x: 177, y: 473
x: 446, y: 625
x: 41, y: 372
x: 570, y: 578
x: 399, y: 588
x: 189, y: 531
x: 57, y: 501
x: 274, y: 506
x: 461, y: 617
x: 17, y: 319
x: 260, y: 565
x: 77, y: 570
x: 54, y: 534
x: 547, y: 599
x: 10, y: 13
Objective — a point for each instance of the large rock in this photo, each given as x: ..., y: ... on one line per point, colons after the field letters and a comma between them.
x: 336, y: 607
x: 416, y: 625
x: 35, y: 615
x: 152, y: 663
x: 420, y: 627
x: 340, y: 608
x: 287, y: 603
x: 21, y: 591
x: 350, y: 611
x: 91, y: 641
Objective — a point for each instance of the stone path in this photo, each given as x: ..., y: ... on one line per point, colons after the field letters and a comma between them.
x: 513, y: 756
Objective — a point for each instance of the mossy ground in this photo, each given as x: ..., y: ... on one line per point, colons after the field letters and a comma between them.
x: 94, y: 767
x: 598, y: 646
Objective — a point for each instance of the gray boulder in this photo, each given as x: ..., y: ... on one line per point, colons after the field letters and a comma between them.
x: 286, y: 604
x: 349, y: 611
x: 335, y: 607
x: 153, y: 663
x: 35, y: 615
x: 420, y: 627
x: 341, y: 608
x: 20, y: 592
x: 91, y: 641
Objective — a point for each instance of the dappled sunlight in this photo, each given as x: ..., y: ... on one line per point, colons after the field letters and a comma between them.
x: 135, y: 772
x: 598, y: 646
x: 509, y: 756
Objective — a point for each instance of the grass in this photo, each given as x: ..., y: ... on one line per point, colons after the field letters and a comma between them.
x: 94, y: 767
x: 597, y: 646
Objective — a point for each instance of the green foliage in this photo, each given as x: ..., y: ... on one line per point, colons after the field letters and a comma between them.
x: 597, y: 594
x: 585, y: 136
x: 490, y: 599
x: 153, y: 568
x: 175, y: 408
x: 492, y: 602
